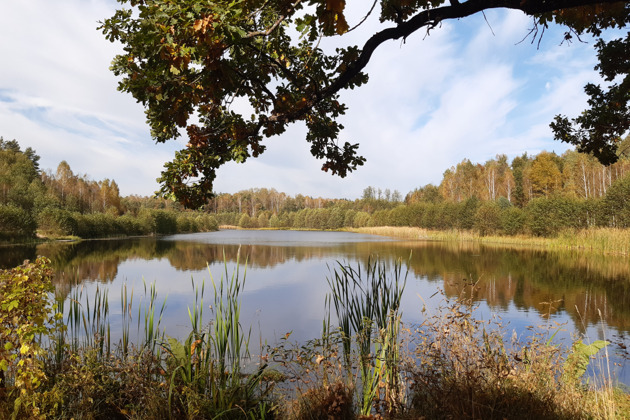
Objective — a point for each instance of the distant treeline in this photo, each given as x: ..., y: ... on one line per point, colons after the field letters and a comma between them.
x: 540, y: 217
x: 64, y: 204
x: 533, y: 195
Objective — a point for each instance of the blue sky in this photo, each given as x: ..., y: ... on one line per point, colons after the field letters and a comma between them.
x: 468, y: 90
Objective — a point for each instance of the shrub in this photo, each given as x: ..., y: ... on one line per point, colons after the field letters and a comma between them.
x: 26, y: 314
x: 513, y: 221
x: 548, y: 216
x: 165, y: 222
x: 16, y: 223
x: 464, y: 368
x: 467, y: 213
x: 361, y: 219
x: 57, y: 222
x: 617, y: 203
x: 488, y: 218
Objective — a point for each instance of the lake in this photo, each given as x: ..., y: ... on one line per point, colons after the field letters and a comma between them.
x: 286, y: 280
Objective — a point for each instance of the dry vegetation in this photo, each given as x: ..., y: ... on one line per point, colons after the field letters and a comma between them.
x: 600, y: 240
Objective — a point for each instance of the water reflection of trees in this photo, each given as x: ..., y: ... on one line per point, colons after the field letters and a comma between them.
x: 14, y: 255
x: 582, y: 285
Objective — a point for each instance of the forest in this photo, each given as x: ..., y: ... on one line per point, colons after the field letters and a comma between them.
x: 539, y: 195
x: 35, y: 202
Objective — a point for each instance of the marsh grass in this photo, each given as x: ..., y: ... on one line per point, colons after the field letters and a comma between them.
x: 599, y: 240
x: 150, y: 375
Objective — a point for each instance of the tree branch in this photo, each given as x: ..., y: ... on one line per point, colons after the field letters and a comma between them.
x: 269, y: 30
x: 426, y: 18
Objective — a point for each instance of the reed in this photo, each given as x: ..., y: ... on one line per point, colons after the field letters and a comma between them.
x: 211, y: 359
x: 598, y: 240
x: 458, y: 366
x: 366, y: 303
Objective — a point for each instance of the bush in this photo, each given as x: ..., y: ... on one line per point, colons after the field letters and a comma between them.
x: 97, y: 225
x: 165, y: 222
x: 548, y: 216
x: 467, y: 213
x: 27, y: 314
x: 130, y: 225
x: 57, y: 222
x: 184, y: 224
x: 361, y: 219
x: 247, y: 222
x: 617, y: 203
x: 207, y: 222
x: 16, y: 223
x: 263, y: 220
x: 513, y: 221
x: 336, y: 219
x: 488, y: 218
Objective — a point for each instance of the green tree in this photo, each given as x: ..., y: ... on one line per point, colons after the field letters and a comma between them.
x: 488, y: 218
x: 600, y: 129
x: 617, y: 203
x: 519, y: 164
x: 186, y: 61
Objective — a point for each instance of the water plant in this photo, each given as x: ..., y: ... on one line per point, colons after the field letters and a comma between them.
x: 207, y: 368
x: 367, y: 303
x: 454, y: 365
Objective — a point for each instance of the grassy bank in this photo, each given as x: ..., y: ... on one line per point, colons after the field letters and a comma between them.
x: 370, y: 365
x: 602, y: 240
x: 598, y: 240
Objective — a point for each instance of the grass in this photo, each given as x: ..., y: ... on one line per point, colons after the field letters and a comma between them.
x: 452, y: 365
x: 600, y: 240
x: 367, y: 306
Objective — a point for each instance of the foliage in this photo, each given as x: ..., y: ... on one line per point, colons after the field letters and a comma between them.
x: 189, y: 58
x: 617, y: 203
x: 16, y: 223
x: 21, y: 190
x: 468, y: 368
x: 26, y: 314
x: 488, y: 218
x: 600, y: 128
x: 55, y: 222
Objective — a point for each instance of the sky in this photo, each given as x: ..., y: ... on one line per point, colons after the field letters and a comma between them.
x: 469, y: 89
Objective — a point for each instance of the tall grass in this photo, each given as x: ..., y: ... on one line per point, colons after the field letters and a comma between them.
x: 466, y: 368
x: 601, y: 240
x: 368, y: 303
x: 211, y: 359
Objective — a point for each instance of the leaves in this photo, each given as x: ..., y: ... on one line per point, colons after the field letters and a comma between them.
x: 580, y: 356
x: 27, y: 313
x: 189, y: 61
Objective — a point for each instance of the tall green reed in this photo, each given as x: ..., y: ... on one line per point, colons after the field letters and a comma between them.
x: 210, y: 360
x: 367, y: 302
x: 147, y: 318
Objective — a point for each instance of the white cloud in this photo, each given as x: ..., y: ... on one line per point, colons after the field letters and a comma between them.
x: 431, y: 101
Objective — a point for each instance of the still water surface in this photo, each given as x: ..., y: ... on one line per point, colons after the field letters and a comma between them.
x: 286, y: 279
